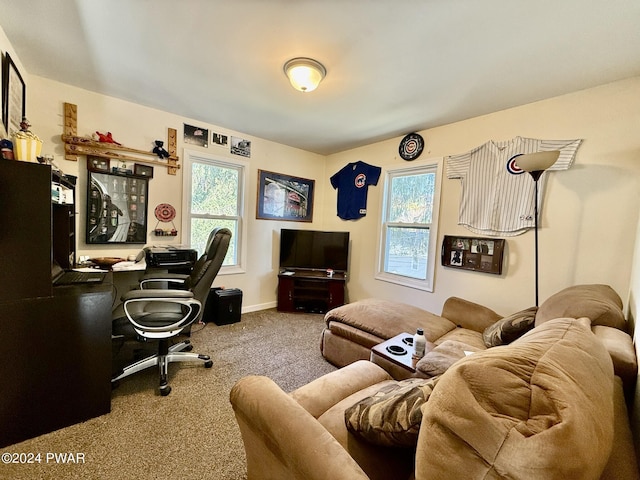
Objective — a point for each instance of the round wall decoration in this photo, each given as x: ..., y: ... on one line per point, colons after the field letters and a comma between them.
x: 165, y: 212
x: 411, y: 146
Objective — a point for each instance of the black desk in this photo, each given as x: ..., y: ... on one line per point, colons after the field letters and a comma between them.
x: 55, y: 360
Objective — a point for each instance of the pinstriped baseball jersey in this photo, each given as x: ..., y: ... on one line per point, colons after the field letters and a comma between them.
x: 497, y: 196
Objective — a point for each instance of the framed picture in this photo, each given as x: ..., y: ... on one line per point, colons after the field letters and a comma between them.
x: 143, y: 170
x: 116, y: 208
x: 3, y: 127
x: 283, y: 197
x: 196, y: 135
x: 219, y: 139
x: 14, y: 93
x: 98, y: 164
x: 471, y: 253
x: 240, y: 146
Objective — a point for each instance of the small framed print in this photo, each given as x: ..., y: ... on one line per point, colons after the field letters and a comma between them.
x: 471, y: 253
x: 14, y: 93
x: 98, y: 164
x: 196, y: 135
x: 143, y: 170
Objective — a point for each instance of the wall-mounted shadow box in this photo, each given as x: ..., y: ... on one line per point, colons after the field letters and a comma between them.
x: 473, y: 253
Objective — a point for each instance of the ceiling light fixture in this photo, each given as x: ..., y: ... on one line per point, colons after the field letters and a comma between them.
x: 304, y: 73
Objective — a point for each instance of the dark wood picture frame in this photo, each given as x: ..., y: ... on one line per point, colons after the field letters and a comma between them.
x: 194, y: 135
x: 143, y: 170
x: 14, y: 94
x: 116, y: 208
x: 473, y: 253
x: 284, y: 197
x: 3, y: 128
x: 98, y: 164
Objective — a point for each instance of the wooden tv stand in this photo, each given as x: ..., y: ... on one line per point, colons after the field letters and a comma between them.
x: 310, y: 291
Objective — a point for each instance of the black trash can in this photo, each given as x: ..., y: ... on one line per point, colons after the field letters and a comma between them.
x: 224, y: 306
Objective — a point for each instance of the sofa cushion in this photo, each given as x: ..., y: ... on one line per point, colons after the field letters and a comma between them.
x: 438, y: 360
x: 392, y: 416
x: 463, y: 335
x: 540, y: 407
x: 386, y: 319
x: 509, y: 328
x: 600, y: 303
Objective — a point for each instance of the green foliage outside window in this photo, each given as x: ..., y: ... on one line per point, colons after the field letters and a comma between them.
x: 214, y: 203
x: 409, y: 216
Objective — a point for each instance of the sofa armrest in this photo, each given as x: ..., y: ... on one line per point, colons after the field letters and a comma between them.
x: 623, y: 354
x: 282, y: 440
x: 468, y: 314
x: 323, y: 393
x: 622, y: 463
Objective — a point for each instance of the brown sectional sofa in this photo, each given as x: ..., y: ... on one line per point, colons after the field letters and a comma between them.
x: 546, y: 406
x: 353, y: 329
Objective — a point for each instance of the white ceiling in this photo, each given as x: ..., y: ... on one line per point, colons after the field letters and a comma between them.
x: 393, y: 66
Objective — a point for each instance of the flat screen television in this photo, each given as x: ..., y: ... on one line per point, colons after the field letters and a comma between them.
x: 314, y: 250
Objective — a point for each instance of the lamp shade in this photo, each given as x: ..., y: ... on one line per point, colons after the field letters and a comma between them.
x: 305, y: 74
x: 537, y: 162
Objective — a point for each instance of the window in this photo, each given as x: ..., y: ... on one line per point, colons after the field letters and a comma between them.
x: 408, y: 233
x: 214, y: 198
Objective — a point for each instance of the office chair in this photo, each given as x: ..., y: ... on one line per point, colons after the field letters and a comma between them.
x: 161, y: 314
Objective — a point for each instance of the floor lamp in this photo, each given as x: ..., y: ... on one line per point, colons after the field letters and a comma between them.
x: 536, y: 164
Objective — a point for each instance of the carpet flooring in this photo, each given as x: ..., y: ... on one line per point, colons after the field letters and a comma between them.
x: 192, y: 433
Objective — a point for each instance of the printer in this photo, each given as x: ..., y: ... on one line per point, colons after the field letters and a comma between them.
x: 170, y: 256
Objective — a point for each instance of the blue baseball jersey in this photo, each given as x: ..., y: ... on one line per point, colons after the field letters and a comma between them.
x: 352, y: 183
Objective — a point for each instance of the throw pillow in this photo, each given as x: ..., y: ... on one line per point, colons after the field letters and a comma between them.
x: 392, y: 416
x: 600, y: 303
x: 438, y: 360
x: 509, y: 328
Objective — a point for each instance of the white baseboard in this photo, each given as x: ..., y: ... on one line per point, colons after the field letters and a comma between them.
x: 258, y: 307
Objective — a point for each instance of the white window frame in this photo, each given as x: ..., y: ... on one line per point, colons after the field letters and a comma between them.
x: 426, y: 166
x: 191, y: 156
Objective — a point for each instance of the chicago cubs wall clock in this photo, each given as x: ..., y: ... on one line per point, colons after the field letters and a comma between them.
x: 411, y: 146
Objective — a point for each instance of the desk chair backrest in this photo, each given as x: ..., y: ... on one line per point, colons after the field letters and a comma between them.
x: 208, y: 265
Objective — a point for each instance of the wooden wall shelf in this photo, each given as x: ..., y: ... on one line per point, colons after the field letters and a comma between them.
x: 75, y: 145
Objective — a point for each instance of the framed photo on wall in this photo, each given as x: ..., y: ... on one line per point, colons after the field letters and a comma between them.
x: 196, y: 135
x: 283, y: 197
x: 3, y: 127
x: 116, y: 208
x: 98, y: 164
x: 471, y: 253
x: 143, y: 170
x: 14, y: 93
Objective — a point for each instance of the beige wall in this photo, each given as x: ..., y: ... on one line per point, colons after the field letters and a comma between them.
x: 589, y: 223
x: 590, y: 214
x: 137, y: 127
x: 633, y: 315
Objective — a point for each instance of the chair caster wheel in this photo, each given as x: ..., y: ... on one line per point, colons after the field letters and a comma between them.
x: 188, y: 348
x: 208, y: 364
x: 164, y: 391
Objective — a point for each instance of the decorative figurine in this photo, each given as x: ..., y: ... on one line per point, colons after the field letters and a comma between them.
x: 159, y: 151
x: 24, y: 125
x: 26, y: 144
x: 108, y: 138
x: 6, y: 149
